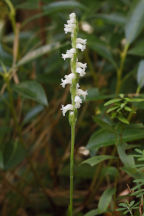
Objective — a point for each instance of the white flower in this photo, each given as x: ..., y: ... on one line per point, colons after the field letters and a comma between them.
x: 72, y: 16
x: 82, y: 93
x: 81, y: 44
x: 69, y: 28
x: 71, y: 24
x: 80, y: 68
x: 87, y: 27
x: 66, y: 108
x: 68, y: 79
x: 78, y: 102
x: 69, y: 53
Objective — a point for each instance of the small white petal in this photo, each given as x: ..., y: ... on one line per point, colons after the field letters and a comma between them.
x: 72, y: 16
x: 81, y: 71
x: 69, y: 28
x: 78, y: 102
x: 80, y: 68
x: 68, y: 79
x: 69, y: 53
x: 71, y: 24
x: 82, y: 65
x: 82, y: 93
x: 80, y: 46
x: 66, y: 108
x: 82, y: 41
x: 77, y: 86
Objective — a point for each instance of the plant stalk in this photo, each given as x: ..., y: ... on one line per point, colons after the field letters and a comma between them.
x: 120, y: 69
x: 72, y: 166
x: 72, y: 118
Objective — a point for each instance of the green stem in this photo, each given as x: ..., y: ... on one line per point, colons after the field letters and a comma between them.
x: 120, y: 69
x: 72, y: 166
x: 73, y: 118
x: 131, y: 113
x: 130, y: 211
x: 11, y: 14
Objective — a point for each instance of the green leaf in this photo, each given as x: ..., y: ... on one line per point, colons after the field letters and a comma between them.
x: 37, y: 53
x: 105, y: 199
x: 103, y: 138
x: 135, y: 22
x: 113, y: 18
x: 128, y: 109
x: 104, y: 202
x: 101, y: 48
x: 123, y: 119
x: 94, y: 95
x: 93, y: 212
x: 16, y: 156
x: 115, y: 100
x: 55, y: 7
x: 100, y: 138
x: 28, y: 5
x: 104, y: 121
x: 127, y: 160
x: 33, y: 113
x: 140, y: 74
x: 62, y: 5
x: 32, y: 90
x: 138, y: 49
x: 112, y: 109
x: 110, y: 171
x: 97, y: 159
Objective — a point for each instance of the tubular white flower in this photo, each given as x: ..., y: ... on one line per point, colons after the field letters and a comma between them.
x: 87, y: 27
x: 69, y: 53
x: 69, y: 28
x: 82, y: 65
x: 82, y: 93
x: 68, y: 79
x: 78, y: 102
x: 71, y: 24
x: 81, y: 44
x: 66, y: 108
x: 72, y: 16
x: 80, y: 68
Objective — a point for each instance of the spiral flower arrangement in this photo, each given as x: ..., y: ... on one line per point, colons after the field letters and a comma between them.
x: 77, y: 71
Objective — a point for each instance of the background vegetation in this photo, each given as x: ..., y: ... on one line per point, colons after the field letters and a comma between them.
x: 35, y: 138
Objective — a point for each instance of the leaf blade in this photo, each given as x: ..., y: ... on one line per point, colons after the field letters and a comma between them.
x: 32, y: 90
x: 135, y: 22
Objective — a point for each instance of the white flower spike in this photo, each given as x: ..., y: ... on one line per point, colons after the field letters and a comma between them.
x: 77, y: 68
x: 71, y: 24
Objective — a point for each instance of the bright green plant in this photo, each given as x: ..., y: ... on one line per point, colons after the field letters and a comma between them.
x: 77, y: 71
